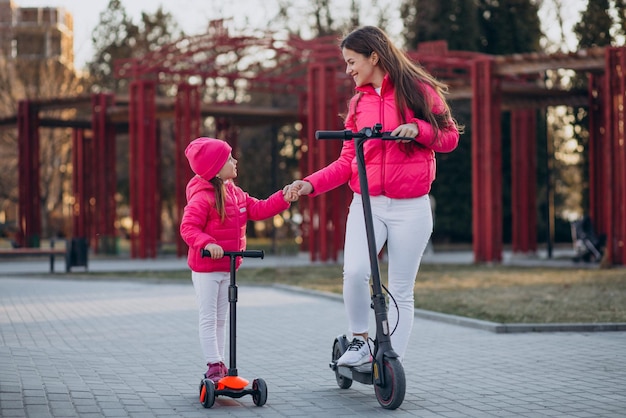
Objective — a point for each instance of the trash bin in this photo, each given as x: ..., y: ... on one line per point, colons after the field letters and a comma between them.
x: 77, y: 254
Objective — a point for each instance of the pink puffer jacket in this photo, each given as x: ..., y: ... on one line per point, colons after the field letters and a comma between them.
x: 390, y: 171
x: 202, y: 225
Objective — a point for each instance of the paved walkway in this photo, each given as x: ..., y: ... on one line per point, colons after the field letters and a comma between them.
x: 70, y: 347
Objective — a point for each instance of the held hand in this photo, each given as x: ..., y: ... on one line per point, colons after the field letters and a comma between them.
x: 215, y: 250
x: 408, y: 130
x: 289, y: 194
x: 301, y: 187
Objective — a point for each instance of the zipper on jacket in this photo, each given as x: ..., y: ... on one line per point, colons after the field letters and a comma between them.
x: 383, y: 145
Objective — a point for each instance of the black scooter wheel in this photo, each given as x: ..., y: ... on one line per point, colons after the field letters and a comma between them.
x: 259, y: 397
x: 342, y: 381
x: 207, y: 393
x: 391, y: 394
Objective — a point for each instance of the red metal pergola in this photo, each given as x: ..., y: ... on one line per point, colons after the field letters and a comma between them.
x: 312, y: 72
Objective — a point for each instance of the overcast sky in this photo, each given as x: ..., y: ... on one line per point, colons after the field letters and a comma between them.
x: 193, y: 15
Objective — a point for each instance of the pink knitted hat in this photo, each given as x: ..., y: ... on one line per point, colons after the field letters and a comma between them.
x: 207, y: 156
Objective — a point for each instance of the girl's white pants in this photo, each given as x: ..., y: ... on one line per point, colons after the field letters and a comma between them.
x: 212, y: 297
x: 405, y: 225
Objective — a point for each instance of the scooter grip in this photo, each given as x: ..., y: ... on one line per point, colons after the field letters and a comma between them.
x: 387, y: 137
x: 246, y: 253
x: 333, y: 134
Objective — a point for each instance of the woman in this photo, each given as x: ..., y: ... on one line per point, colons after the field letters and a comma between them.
x: 408, y: 102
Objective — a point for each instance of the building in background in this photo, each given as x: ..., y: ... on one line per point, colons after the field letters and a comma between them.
x: 36, y: 62
x: 36, y: 33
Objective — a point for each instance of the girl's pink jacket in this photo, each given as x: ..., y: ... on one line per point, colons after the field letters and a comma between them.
x: 390, y: 172
x: 201, y: 224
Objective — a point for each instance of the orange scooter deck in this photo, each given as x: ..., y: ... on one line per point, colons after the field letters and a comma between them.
x: 232, y: 382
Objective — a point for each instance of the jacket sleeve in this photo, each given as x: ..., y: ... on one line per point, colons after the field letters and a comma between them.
x: 448, y: 138
x: 334, y: 174
x: 339, y: 171
x: 194, y: 220
x: 259, y: 209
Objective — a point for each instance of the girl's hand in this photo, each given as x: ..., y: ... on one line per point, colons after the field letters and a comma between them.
x: 289, y: 194
x: 408, y: 129
x: 215, y: 250
x: 299, y: 187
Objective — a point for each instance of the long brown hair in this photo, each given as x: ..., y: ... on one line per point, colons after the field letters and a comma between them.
x: 220, y: 200
x: 403, y: 74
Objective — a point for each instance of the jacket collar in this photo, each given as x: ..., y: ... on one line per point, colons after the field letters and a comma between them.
x: 368, y: 88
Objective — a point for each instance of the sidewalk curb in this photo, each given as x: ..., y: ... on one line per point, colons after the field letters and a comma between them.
x: 494, y: 327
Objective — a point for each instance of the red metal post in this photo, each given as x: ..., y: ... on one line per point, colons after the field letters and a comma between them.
x: 486, y: 163
x: 187, y: 119
x: 304, y: 163
x: 326, y: 213
x: 29, y: 234
x: 524, y: 178
x: 614, y: 155
x: 80, y: 211
x: 597, y: 132
x: 619, y: 163
x: 144, y: 158
x: 105, y: 177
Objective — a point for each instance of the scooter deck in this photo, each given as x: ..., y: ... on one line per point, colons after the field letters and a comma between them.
x: 361, y: 374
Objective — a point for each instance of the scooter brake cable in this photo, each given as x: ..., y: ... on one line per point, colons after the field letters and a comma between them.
x: 397, y: 309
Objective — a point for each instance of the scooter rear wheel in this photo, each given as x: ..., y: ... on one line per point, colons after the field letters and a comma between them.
x: 342, y: 381
x: 391, y: 394
x: 259, y: 397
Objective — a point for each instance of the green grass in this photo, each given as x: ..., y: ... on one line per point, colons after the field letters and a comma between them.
x: 493, y: 293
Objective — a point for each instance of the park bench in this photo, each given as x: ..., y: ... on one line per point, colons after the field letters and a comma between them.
x: 75, y: 253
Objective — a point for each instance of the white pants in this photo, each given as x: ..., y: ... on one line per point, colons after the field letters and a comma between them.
x: 406, y: 226
x: 212, y: 297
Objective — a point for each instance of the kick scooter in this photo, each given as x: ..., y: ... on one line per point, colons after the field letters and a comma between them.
x: 385, y: 372
x: 233, y: 385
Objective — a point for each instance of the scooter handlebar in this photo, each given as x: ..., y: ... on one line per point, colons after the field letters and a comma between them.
x: 387, y: 137
x: 363, y: 133
x: 246, y: 253
x: 344, y: 135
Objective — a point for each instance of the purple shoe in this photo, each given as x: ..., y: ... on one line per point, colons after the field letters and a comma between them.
x: 215, y: 372
x: 224, y: 369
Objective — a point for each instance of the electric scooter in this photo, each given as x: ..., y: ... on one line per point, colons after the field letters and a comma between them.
x: 385, y: 372
x: 233, y: 385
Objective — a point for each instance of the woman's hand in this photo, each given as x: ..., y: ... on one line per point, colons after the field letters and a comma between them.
x: 300, y: 187
x: 215, y: 250
x: 408, y: 130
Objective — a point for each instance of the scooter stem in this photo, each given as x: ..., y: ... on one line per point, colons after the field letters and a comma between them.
x: 232, y: 298
x: 383, y: 346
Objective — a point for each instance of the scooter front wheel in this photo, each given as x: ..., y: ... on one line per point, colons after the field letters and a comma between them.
x: 207, y: 393
x: 391, y: 394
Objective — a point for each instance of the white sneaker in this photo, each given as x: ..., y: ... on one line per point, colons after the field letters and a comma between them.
x: 358, y: 353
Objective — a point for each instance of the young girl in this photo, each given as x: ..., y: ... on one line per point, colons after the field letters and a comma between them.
x: 408, y: 102
x: 215, y: 220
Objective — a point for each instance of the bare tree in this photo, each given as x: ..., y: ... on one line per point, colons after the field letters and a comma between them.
x: 35, y: 80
